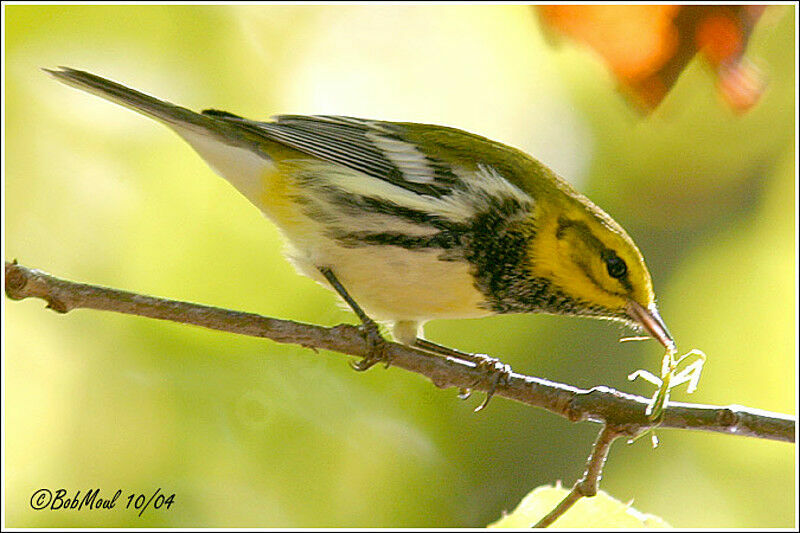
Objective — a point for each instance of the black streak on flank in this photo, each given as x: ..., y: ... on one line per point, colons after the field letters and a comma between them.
x: 488, y: 227
x: 367, y: 204
x: 440, y: 241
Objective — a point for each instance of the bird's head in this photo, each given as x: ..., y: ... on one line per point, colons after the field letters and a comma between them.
x: 593, y: 262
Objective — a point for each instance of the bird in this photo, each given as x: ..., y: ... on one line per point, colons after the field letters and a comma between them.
x: 413, y: 222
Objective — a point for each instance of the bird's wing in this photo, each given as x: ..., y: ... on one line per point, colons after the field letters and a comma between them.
x: 376, y: 148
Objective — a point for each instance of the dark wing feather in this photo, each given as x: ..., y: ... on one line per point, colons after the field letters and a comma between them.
x: 351, y: 142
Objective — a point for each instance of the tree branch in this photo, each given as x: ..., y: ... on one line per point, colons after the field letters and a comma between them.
x: 623, y: 412
x: 589, y: 483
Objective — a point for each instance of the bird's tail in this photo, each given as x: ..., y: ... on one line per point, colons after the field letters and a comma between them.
x: 184, y: 121
x: 236, y: 152
x: 160, y: 110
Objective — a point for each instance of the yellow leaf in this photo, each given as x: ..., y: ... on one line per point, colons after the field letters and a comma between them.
x: 601, y: 511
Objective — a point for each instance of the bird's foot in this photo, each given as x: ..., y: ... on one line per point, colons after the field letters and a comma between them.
x: 377, y: 348
x: 499, y: 371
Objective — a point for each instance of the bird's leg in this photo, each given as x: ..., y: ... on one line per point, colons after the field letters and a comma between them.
x: 377, y: 344
x: 500, y: 370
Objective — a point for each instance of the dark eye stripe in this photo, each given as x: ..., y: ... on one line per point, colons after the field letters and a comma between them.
x: 615, y: 265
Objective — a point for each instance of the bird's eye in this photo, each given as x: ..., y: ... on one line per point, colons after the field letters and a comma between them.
x: 616, y: 267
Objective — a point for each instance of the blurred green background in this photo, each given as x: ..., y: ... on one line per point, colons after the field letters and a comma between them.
x: 247, y: 432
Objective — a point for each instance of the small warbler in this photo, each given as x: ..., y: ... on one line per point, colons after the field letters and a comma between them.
x: 412, y: 222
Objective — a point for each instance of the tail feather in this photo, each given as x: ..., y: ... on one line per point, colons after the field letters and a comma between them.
x: 160, y: 110
x: 235, y: 152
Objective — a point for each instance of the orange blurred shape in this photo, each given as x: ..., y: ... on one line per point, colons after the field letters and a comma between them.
x: 635, y: 40
x: 648, y: 46
x: 719, y: 37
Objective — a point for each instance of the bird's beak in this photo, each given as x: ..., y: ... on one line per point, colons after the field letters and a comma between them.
x: 651, y: 321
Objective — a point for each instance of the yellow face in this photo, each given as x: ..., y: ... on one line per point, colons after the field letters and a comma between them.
x: 590, y: 259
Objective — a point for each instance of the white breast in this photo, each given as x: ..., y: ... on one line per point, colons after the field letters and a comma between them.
x: 392, y: 283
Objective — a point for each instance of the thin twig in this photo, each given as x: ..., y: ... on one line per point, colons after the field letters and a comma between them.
x: 625, y: 412
x: 589, y: 483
